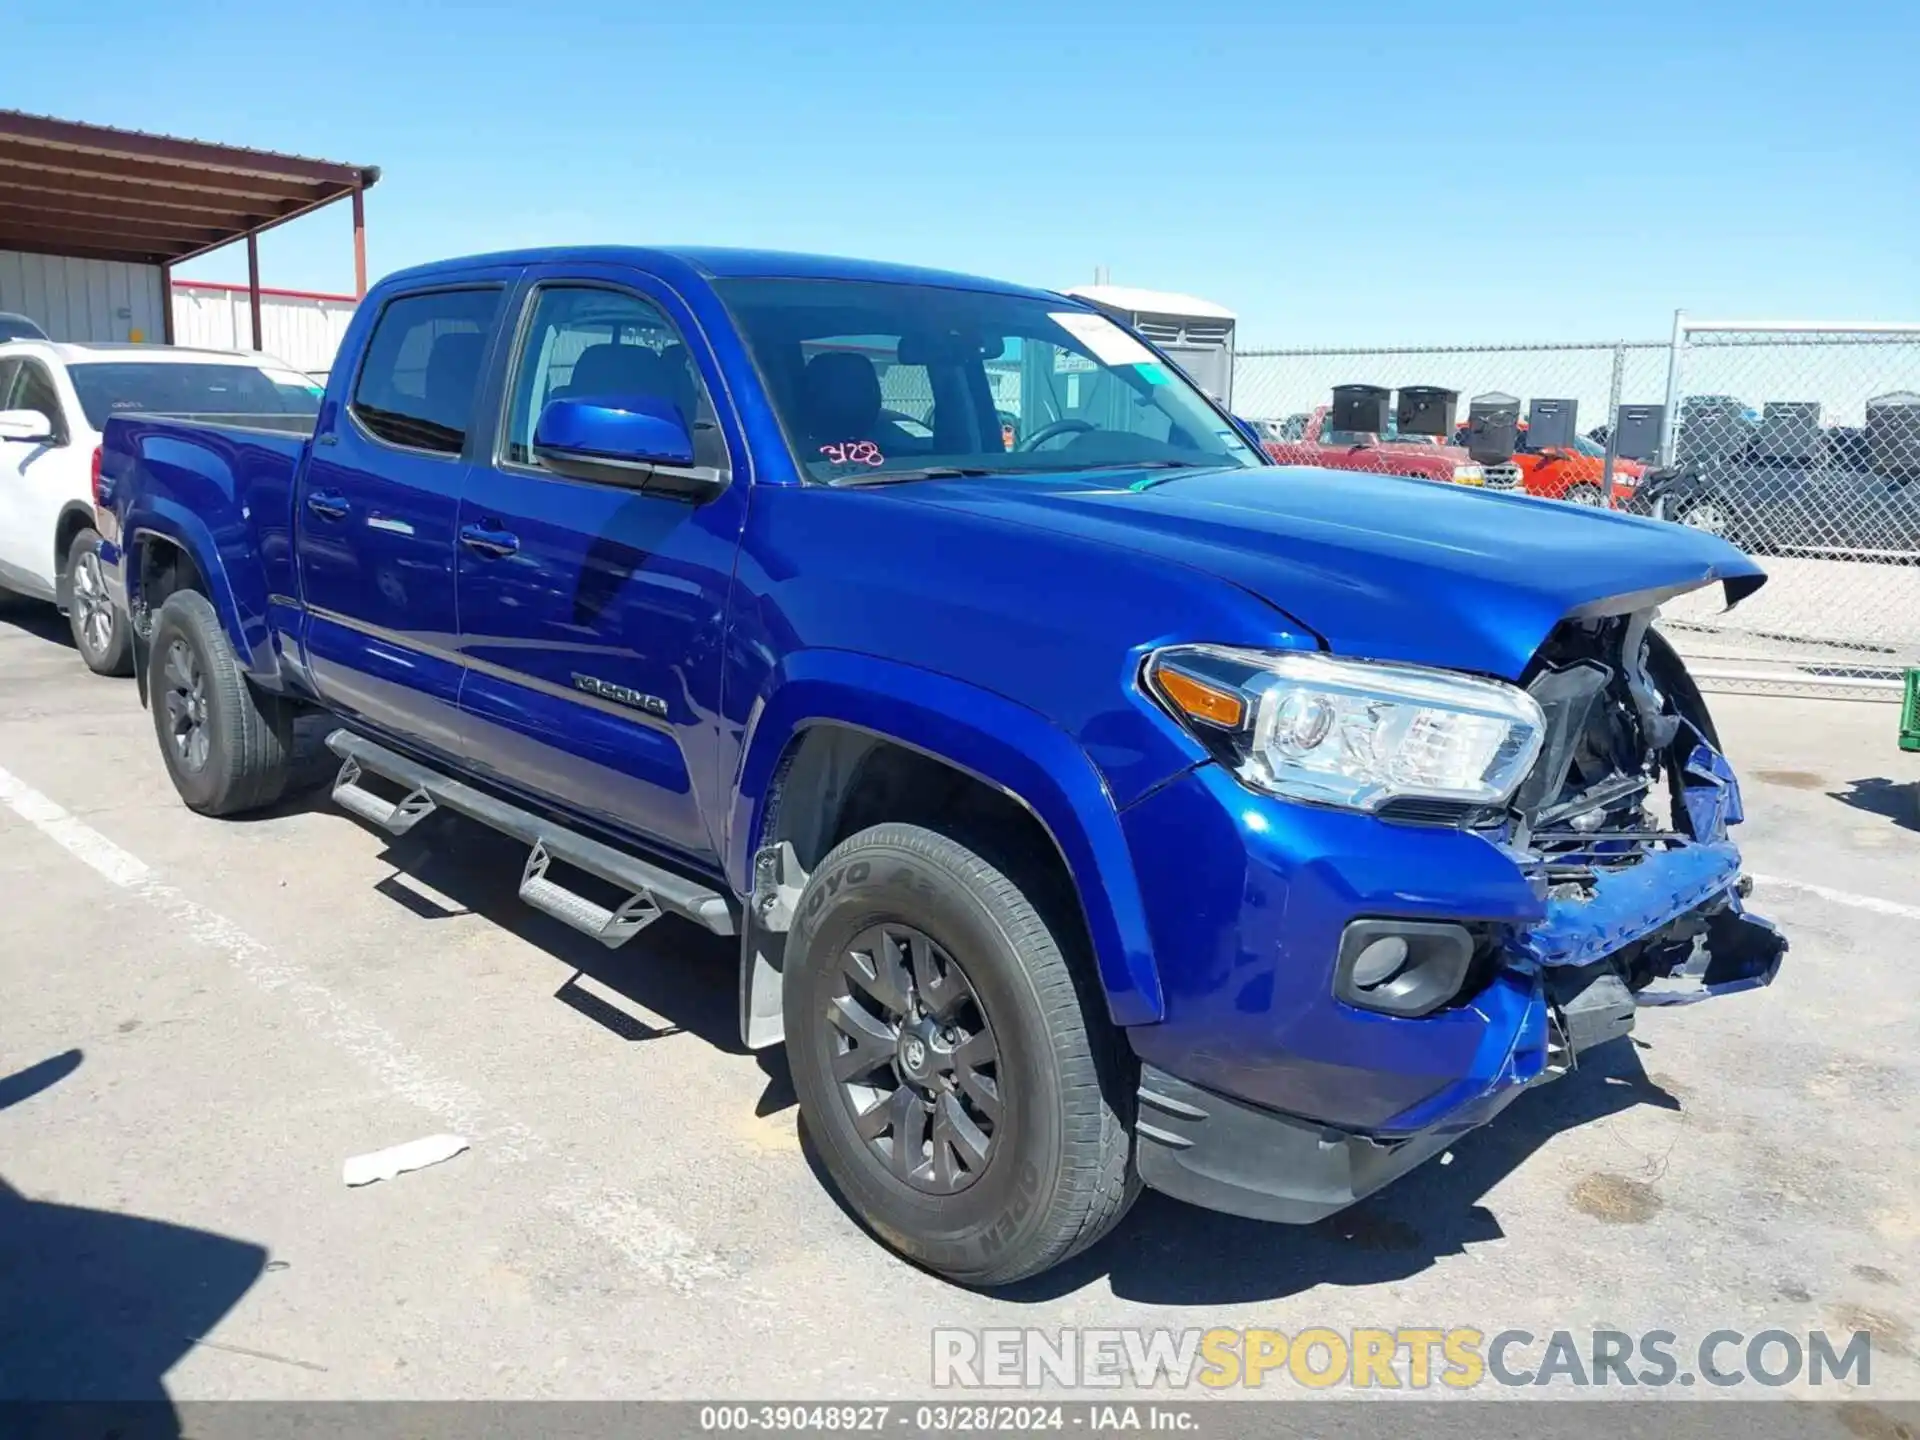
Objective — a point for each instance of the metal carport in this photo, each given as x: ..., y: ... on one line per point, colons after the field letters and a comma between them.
x: 89, y: 193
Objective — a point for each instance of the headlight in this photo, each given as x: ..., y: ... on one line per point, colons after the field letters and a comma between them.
x: 1350, y: 733
x: 1469, y: 475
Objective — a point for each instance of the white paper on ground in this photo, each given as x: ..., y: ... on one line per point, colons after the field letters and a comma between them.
x: 395, y: 1159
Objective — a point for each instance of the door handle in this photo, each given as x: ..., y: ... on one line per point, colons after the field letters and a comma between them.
x: 328, y: 504
x: 484, y: 540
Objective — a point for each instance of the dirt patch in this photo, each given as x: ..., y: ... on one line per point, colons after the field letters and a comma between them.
x: 1874, y: 1275
x: 1367, y: 1231
x: 1791, y: 779
x: 1870, y: 1422
x: 1615, y: 1199
x: 1891, y: 1336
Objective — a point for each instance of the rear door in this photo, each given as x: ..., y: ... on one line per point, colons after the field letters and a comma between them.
x: 591, y: 614
x: 377, y: 505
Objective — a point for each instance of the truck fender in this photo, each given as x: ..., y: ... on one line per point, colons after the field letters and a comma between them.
x: 159, y: 517
x: 1015, y: 750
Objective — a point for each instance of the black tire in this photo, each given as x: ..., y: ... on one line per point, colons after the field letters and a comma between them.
x: 1588, y: 495
x: 1057, y: 1174
x: 243, y: 758
x: 100, y: 629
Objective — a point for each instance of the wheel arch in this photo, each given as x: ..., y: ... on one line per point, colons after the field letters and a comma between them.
x: 806, y: 768
x: 74, y: 518
x: 169, y: 548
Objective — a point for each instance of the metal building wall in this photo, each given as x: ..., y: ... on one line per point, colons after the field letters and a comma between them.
x: 299, y: 327
x: 83, y: 300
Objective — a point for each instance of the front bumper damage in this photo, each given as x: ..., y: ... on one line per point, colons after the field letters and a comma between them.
x: 1668, y: 927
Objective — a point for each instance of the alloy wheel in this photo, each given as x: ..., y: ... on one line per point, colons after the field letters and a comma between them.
x: 915, y: 1059
x: 186, y: 702
x: 90, y: 600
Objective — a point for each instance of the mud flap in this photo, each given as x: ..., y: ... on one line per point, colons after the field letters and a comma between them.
x: 140, y: 636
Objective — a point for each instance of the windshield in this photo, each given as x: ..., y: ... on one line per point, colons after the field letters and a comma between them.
x: 871, y: 379
x: 134, y: 387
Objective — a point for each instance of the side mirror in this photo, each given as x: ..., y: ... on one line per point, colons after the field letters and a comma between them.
x: 639, y: 441
x: 28, y: 425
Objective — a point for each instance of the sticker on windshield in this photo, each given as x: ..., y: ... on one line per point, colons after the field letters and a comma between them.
x: 853, y: 452
x: 1109, y: 343
x: 1152, y: 373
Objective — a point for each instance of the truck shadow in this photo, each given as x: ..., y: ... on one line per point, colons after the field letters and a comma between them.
x: 96, y: 1307
x: 1170, y: 1253
x: 673, y: 969
x: 1165, y: 1252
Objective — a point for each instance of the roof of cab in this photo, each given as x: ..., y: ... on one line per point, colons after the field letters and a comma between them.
x: 718, y: 262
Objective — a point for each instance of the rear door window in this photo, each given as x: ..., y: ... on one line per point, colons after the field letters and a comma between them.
x: 417, y: 385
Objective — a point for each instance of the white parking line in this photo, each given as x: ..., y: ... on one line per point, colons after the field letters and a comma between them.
x: 649, y: 1241
x: 1841, y: 897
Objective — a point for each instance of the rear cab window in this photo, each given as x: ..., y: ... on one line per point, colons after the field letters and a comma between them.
x: 136, y: 387
x: 416, y: 387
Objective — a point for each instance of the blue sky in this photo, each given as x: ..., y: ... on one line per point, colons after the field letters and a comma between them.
x: 1413, y: 172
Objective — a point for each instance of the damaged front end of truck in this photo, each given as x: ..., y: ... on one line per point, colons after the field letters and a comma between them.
x: 1621, y: 828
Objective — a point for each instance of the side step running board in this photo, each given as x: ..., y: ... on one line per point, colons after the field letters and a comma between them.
x: 651, y: 890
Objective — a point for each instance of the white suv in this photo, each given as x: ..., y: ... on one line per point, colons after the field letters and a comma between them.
x: 54, y: 403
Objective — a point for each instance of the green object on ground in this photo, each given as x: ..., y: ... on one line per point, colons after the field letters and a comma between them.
x: 1910, y: 713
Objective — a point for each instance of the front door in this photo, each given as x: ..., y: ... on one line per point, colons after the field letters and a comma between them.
x: 376, y: 510
x: 591, y: 614
x: 37, y: 478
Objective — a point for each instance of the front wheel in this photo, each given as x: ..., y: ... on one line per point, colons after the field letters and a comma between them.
x: 966, y: 1096
x: 99, y: 626
x: 1586, y: 495
x: 228, y: 748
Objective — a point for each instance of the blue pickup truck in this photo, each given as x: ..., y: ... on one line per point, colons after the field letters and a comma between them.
x: 1095, y: 802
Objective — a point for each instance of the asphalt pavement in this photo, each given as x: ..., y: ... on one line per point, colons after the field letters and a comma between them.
x: 201, y: 1020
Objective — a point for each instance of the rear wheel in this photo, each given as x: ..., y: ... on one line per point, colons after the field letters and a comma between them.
x: 1585, y: 495
x: 228, y: 748
x: 99, y: 627
x: 967, y: 1098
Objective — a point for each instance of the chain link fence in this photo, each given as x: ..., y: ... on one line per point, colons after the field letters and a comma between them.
x: 1800, y: 443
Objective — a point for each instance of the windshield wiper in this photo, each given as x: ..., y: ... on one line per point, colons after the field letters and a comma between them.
x: 896, y: 477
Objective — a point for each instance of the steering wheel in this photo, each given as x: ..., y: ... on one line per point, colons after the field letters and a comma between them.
x: 1047, y: 432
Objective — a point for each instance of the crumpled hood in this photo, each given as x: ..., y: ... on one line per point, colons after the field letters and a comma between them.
x: 1380, y: 567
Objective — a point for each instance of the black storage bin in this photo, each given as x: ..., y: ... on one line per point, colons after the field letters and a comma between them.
x: 1360, y: 407
x: 1426, y: 410
x: 1493, y: 425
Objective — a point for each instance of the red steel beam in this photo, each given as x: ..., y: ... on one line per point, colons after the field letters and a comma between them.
x: 191, y: 216
x: 168, y: 234
x: 14, y: 240
x: 359, y: 242
x: 145, y: 172
x: 253, y: 283
x: 45, y: 131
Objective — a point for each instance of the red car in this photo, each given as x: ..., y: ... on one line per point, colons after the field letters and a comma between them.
x: 1419, y: 456
x: 1577, y: 475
